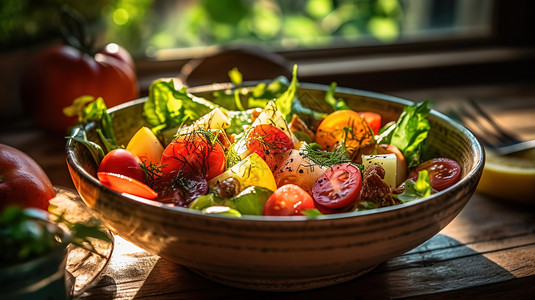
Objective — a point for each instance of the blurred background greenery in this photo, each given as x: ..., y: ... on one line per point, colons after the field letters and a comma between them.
x: 147, y: 27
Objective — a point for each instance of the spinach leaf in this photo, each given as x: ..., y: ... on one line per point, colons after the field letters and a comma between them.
x: 410, y: 132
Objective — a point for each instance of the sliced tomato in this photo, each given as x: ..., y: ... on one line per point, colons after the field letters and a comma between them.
x: 193, y: 154
x: 122, y: 161
x: 124, y: 184
x: 344, y: 126
x: 443, y: 172
x: 288, y: 200
x: 374, y: 120
x: 338, y: 187
x: 269, y: 142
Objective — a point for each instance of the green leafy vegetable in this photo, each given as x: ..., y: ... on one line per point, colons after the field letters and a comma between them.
x: 167, y: 107
x: 416, y: 190
x: 336, y: 104
x: 78, y: 134
x: 88, y: 109
x: 284, y: 102
x: 409, y: 132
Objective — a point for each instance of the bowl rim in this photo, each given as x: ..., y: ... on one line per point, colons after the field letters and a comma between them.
x: 457, y: 187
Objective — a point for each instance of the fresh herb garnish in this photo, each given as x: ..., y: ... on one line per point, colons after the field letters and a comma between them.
x: 339, y: 155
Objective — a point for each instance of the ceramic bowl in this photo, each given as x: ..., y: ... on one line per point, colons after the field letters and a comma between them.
x: 283, y: 253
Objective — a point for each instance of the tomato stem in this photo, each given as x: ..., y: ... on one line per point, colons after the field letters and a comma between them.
x: 73, y: 30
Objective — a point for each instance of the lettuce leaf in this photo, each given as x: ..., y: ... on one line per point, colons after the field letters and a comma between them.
x: 336, y: 104
x: 416, y: 190
x: 167, y: 107
x: 410, y: 132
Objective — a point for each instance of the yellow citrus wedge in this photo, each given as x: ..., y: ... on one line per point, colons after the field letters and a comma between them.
x: 509, y: 177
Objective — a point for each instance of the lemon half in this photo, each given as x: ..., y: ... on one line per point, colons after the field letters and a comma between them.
x: 509, y: 177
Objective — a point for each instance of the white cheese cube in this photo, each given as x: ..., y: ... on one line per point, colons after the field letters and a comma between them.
x: 388, y: 162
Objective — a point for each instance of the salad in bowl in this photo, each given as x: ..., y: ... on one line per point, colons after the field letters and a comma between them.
x: 261, y: 152
x: 274, y: 185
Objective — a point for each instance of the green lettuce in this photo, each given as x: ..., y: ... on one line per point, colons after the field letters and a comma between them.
x: 416, y: 190
x: 409, y: 132
x: 167, y: 107
x: 336, y: 104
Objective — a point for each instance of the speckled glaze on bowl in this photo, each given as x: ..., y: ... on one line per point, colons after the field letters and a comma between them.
x: 284, y: 253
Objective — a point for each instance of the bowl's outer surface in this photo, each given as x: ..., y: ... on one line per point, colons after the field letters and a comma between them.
x: 292, y: 253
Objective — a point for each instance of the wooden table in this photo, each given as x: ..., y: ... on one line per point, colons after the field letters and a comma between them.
x: 488, y: 251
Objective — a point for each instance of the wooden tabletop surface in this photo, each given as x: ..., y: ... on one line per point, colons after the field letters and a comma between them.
x: 487, y: 252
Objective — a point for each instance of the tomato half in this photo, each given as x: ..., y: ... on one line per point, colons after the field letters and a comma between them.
x: 269, y: 142
x: 124, y: 184
x: 122, y: 161
x: 443, y: 172
x: 344, y: 125
x: 288, y: 200
x: 338, y: 187
x: 374, y: 120
x: 193, y: 154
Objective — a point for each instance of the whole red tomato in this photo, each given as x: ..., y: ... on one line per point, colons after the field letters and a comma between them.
x: 60, y: 74
x: 22, y: 181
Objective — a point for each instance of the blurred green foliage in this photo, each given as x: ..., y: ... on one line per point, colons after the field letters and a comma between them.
x: 145, y: 26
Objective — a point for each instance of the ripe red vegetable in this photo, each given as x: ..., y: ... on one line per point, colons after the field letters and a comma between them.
x: 288, y: 200
x: 121, y: 161
x: 443, y: 172
x: 60, y: 74
x: 22, y: 181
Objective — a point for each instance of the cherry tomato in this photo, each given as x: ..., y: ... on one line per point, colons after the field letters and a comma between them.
x: 443, y: 172
x: 338, y: 187
x: 125, y: 184
x: 374, y: 120
x: 344, y: 125
x: 22, y: 181
x: 122, y: 161
x: 193, y: 154
x: 60, y: 74
x: 269, y: 142
x: 288, y: 200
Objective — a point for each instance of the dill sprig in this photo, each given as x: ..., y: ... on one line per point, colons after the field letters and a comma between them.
x: 152, y: 173
x: 339, y: 155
